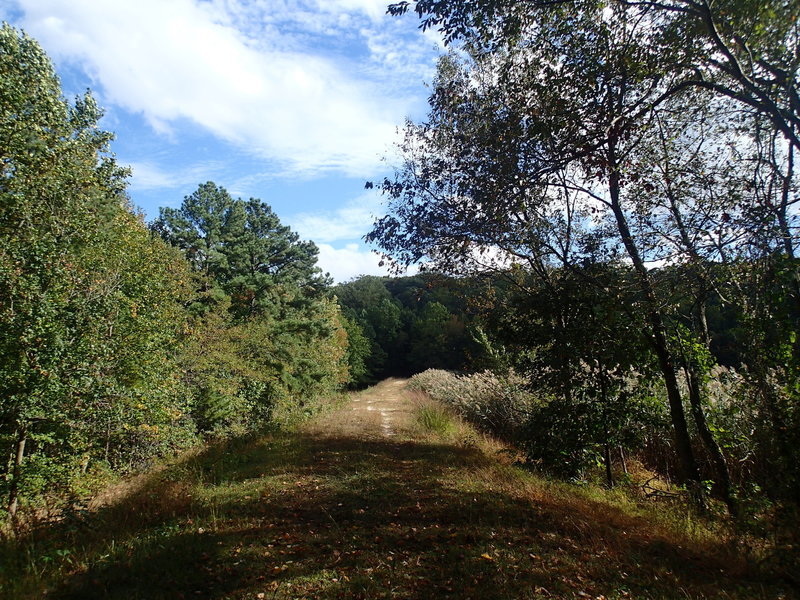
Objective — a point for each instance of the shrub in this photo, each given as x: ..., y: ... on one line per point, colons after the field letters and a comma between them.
x: 495, y: 403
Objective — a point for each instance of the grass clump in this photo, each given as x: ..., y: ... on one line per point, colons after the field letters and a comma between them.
x: 435, y: 418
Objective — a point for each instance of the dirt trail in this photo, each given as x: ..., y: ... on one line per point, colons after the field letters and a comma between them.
x: 384, y: 409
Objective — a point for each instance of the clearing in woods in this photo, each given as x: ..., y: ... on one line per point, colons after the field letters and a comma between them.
x: 362, y: 502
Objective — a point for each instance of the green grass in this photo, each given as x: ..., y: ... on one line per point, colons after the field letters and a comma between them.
x: 331, y: 512
x: 435, y: 418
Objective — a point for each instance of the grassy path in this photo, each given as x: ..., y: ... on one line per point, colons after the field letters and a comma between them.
x: 362, y: 503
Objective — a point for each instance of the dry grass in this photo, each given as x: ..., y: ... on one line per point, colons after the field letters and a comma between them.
x: 366, y: 503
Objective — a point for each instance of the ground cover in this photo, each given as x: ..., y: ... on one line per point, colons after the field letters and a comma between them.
x: 387, y: 496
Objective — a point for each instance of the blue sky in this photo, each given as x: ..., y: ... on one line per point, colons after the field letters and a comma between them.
x: 295, y: 102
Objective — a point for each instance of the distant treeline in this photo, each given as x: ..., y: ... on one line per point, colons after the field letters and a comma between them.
x: 401, y: 326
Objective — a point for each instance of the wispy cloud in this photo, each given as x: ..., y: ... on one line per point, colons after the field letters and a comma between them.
x: 246, y: 71
x: 348, y: 223
x: 351, y: 261
x: 150, y: 176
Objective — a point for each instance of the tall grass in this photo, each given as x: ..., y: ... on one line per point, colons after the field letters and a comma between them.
x: 494, y: 403
x: 435, y: 418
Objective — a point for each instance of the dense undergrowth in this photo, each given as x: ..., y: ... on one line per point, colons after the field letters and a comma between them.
x: 561, y: 444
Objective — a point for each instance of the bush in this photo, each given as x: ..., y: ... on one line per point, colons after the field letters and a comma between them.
x: 499, y: 404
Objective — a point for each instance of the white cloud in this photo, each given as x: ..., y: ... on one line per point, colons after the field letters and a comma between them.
x: 249, y: 73
x: 149, y: 176
x: 350, y: 222
x: 351, y: 261
x: 374, y: 8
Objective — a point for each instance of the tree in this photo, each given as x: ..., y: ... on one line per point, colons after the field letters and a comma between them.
x: 366, y: 302
x: 90, y: 304
x: 358, y: 351
x: 263, y: 339
x: 742, y: 49
x: 241, y: 246
x: 429, y: 338
x: 691, y: 192
x: 516, y: 137
x: 560, y: 99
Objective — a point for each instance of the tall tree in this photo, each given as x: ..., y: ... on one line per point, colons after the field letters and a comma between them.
x: 570, y: 90
x: 557, y: 114
x: 241, y: 246
x: 264, y: 338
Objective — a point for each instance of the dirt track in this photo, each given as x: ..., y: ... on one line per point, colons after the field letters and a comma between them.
x: 389, y: 400
x: 382, y: 411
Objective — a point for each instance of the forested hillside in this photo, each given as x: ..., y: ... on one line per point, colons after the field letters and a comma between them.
x: 408, y: 324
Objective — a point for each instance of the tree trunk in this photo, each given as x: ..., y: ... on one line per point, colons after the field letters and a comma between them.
x: 717, y: 458
x: 623, y: 460
x: 689, y: 474
x: 783, y: 224
x: 19, y: 455
x: 606, y: 443
x: 607, y: 461
x: 695, y: 401
x: 694, y: 379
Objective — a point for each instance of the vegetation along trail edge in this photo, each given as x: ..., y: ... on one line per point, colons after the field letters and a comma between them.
x: 386, y: 496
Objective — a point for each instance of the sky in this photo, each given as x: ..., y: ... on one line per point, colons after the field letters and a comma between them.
x: 295, y: 102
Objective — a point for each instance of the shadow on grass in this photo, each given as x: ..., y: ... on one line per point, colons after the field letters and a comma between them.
x: 340, y: 517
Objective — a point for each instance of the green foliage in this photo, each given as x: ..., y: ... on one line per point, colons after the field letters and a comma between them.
x: 358, y: 350
x: 410, y: 323
x: 770, y: 316
x: 245, y: 373
x: 567, y: 437
x: 114, y: 346
x: 240, y: 246
x: 367, y: 303
x: 429, y: 337
x: 263, y: 339
x: 91, y: 308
